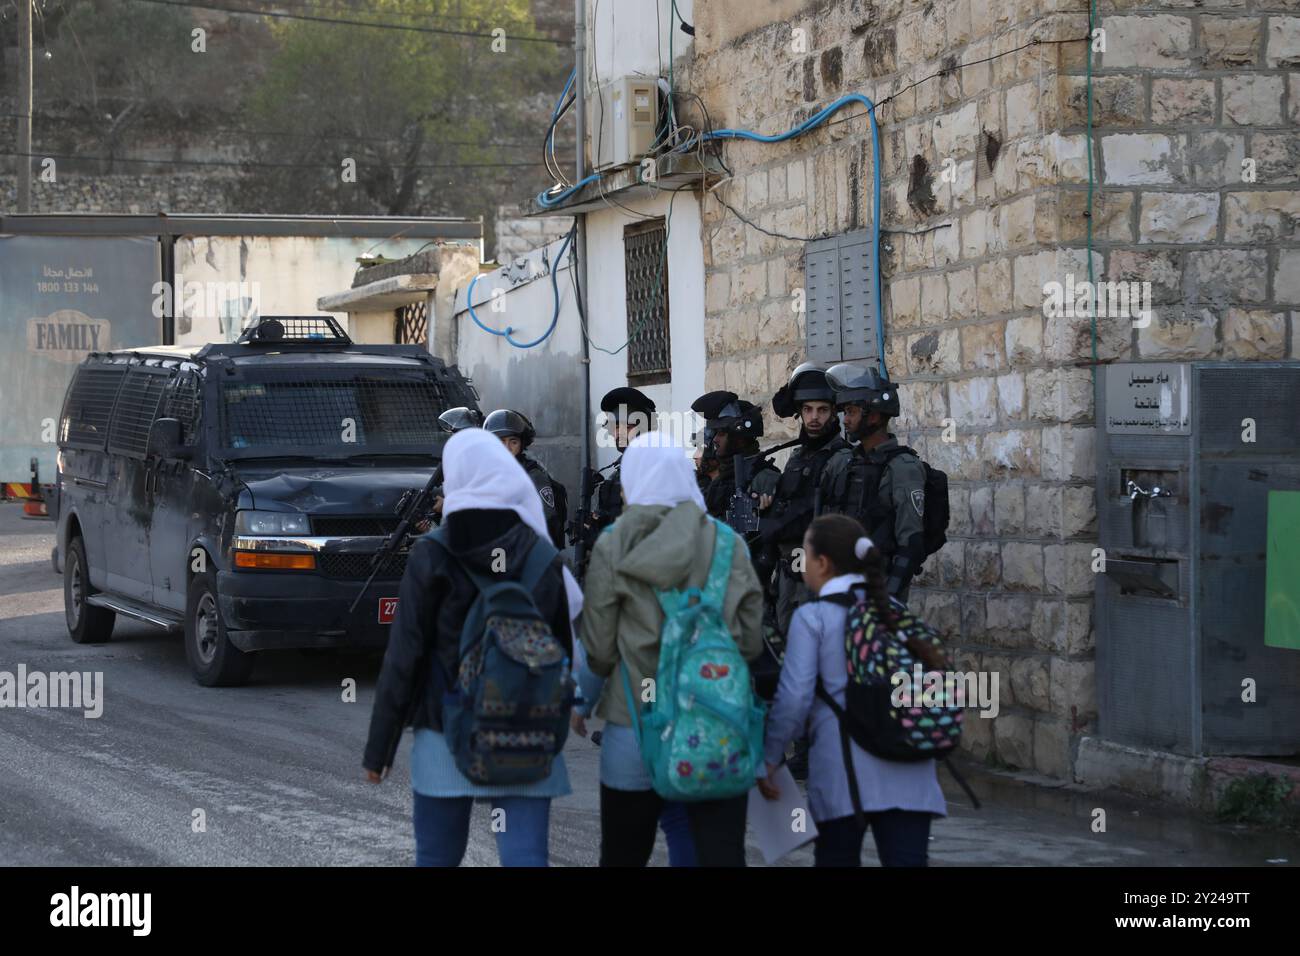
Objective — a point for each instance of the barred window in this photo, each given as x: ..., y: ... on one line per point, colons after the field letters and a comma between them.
x: 182, y: 403
x: 645, y: 252
x: 137, y: 406
x: 90, y: 405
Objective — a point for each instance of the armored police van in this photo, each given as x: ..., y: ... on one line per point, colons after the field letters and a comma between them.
x: 239, y: 493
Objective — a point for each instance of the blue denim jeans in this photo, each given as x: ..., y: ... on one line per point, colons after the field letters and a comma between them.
x: 442, y: 830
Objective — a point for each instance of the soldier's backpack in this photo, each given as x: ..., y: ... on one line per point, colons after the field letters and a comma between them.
x: 701, y: 736
x: 936, y: 512
x: 505, y: 712
x: 900, y: 721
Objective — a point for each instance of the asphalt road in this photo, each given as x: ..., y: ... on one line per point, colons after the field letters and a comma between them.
x: 275, y: 767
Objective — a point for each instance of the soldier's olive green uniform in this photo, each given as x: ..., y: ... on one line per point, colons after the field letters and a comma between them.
x: 884, y: 489
x: 555, y: 498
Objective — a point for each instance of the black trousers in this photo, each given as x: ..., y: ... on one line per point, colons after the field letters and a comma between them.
x: 629, y: 819
x: 902, y: 839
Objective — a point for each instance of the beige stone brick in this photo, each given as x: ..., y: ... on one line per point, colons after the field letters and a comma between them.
x: 974, y: 233
x: 1286, y: 280
x: 934, y: 299
x: 961, y: 294
x: 994, y: 288
x: 1010, y: 614
x: 1230, y: 41
x: 1277, y: 157
x: 1022, y: 110
x: 1043, y: 510
x: 1293, y: 97
x: 1250, y: 100
x: 1030, y: 682
x: 794, y: 180
x: 1258, y: 217
x: 1015, y: 224
x: 1052, y: 748
x: 1178, y: 101
x: 934, y: 352
x: 1228, y: 275
x: 1179, y: 217
x: 1283, y: 42
x: 1116, y: 100
x: 1151, y: 42
x: 1080, y: 511
x: 982, y: 346
x: 717, y: 289
x: 1078, y: 627
x: 973, y: 402
x: 1162, y: 269
x: 1013, y: 740
x: 1215, y: 158
x: 1179, y: 334
x: 1134, y: 159
x: 1073, y: 689
x: 955, y: 133
x: 1024, y: 340
x: 983, y: 516
x: 1254, y: 334
x: 1009, y: 513
x: 1016, y: 453
x: 1011, y: 396
x: 905, y: 297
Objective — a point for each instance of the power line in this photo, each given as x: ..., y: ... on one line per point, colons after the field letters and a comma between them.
x: 339, y: 21
x: 251, y: 163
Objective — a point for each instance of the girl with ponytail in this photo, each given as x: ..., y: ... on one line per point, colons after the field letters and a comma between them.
x: 898, y: 799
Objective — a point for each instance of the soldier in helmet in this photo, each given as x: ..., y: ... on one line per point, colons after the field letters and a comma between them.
x: 629, y: 412
x: 809, y: 396
x: 517, y: 433
x: 745, y: 480
x: 451, y: 421
x: 878, y: 482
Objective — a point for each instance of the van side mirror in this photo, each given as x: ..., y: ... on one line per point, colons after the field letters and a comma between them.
x: 165, y: 440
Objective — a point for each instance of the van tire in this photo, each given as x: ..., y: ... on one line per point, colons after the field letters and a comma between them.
x: 86, y: 624
x: 213, y: 659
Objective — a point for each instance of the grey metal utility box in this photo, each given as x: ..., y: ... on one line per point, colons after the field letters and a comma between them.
x: 1182, y: 497
x: 840, y: 304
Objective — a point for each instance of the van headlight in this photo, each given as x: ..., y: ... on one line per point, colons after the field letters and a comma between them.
x: 271, y: 522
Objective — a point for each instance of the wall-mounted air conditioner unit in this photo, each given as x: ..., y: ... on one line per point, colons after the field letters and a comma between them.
x: 621, y: 116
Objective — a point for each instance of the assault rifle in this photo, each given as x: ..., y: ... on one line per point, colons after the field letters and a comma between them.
x: 415, y: 508
x: 579, y: 530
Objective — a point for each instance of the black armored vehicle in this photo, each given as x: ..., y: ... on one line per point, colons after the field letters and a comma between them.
x: 240, y: 493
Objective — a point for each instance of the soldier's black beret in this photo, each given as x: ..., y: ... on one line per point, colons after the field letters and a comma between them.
x: 633, y: 399
x: 711, y: 404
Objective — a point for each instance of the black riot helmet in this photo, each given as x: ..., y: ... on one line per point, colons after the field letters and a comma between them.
x: 807, y: 384
x: 458, y: 419
x: 726, y: 412
x: 863, y: 386
x: 505, y: 423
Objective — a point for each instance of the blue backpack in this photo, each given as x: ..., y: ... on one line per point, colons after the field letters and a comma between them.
x: 701, y: 736
x: 505, y: 713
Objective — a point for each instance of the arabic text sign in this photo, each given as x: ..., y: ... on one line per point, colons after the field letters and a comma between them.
x: 1148, y: 398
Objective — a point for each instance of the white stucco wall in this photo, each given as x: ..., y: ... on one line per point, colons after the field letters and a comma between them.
x: 286, y: 275
x: 607, y: 302
x: 631, y: 37
x: 544, y: 382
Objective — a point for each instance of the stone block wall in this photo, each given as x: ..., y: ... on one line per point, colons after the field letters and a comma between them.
x: 986, y: 183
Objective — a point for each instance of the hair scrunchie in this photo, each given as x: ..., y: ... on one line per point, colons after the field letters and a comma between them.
x: 862, y: 547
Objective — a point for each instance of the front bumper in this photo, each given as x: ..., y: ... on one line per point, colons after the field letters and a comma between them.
x: 272, y: 610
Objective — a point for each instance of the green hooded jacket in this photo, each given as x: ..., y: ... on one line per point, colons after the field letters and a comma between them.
x: 654, y: 547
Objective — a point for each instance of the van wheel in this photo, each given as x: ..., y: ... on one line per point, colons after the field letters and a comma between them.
x: 86, y: 624
x: 214, y: 661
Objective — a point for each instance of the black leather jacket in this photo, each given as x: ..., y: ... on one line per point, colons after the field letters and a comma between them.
x: 435, y: 596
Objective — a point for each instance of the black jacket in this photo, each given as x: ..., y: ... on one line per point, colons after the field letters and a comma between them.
x: 435, y: 596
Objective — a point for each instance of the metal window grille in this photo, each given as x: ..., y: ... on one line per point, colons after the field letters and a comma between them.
x: 183, y: 405
x: 645, y: 252
x: 342, y: 413
x: 90, y: 406
x: 412, y: 324
x: 293, y: 328
x: 137, y: 406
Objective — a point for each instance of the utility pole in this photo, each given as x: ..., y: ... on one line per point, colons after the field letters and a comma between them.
x: 24, y: 105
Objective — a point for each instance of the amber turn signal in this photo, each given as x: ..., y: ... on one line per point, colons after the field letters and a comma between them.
x: 267, y: 559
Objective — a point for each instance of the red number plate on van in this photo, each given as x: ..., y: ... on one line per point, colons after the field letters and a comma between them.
x: 387, y: 610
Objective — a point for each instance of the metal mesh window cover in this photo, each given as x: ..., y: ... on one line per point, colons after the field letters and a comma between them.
x: 351, y: 566
x: 342, y: 414
x: 90, y: 405
x: 296, y: 328
x: 344, y: 526
x: 137, y: 406
x: 645, y: 257
x: 412, y: 324
x: 183, y: 405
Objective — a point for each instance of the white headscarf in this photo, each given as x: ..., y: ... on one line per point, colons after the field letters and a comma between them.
x: 479, y: 472
x: 657, y: 471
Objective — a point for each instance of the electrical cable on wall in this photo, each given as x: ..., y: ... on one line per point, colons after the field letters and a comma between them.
x: 508, y: 332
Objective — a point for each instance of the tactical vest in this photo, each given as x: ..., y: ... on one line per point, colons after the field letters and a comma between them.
x: 856, y: 492
x: 796, y: 492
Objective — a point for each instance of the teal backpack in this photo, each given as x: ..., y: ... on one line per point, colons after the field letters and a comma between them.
x: 701, y: 737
